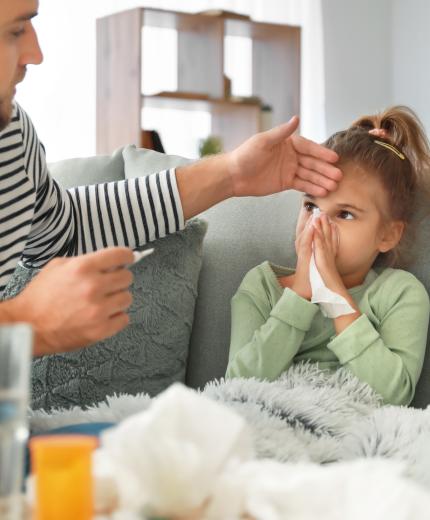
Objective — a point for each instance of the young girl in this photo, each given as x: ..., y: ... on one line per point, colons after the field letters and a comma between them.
x: 385, y: 161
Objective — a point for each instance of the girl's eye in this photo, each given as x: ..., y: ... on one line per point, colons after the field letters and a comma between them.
x: 346, y: 215
x: 309, y: 206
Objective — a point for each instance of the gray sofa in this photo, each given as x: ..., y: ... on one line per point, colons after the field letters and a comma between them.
x: 241, y: 234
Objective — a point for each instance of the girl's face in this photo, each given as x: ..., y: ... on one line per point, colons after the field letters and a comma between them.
x: 357, y: 208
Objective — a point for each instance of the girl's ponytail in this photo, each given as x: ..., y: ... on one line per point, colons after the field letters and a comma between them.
x: 403, y: 129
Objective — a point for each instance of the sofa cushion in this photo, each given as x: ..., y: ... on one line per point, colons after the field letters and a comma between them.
x: 124, y: 163
x: 242, y: 233
x: 88, y: 170
x: 420, y: 267
x: 139, y: 161
x: 151, y: 353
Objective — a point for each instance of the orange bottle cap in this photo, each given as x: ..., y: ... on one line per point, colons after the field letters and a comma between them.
x: 62, y: 467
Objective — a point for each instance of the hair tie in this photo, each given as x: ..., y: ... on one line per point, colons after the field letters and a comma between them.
x: 391, y: 147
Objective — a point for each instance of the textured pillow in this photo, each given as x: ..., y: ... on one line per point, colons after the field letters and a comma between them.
x: 151, y: 353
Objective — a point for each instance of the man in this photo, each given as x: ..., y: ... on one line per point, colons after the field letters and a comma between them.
x: 76, y: 301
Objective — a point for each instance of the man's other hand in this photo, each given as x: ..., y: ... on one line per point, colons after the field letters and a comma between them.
x: 74, y: 302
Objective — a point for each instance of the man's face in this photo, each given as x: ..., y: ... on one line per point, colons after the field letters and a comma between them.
x: 18, y: 48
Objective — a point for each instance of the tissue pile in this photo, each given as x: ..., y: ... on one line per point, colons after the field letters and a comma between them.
x: 190, y: 458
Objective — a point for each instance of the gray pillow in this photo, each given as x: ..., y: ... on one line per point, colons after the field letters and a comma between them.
x: 151, y: 353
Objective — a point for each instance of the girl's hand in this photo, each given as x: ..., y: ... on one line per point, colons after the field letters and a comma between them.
x: 326, y: 244
x: 299, y: 282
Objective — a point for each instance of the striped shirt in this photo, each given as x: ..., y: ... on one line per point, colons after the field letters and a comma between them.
x: 39, y: 220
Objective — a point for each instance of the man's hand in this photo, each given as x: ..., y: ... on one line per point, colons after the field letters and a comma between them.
x: 266, y: 163
x: 276, y: 160
x: 76, y: 301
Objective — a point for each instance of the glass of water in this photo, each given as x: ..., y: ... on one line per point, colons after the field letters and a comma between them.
x: 15, y: 361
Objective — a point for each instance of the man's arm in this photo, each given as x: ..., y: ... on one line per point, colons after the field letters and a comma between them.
x: 88, y: 218
x: 85, y: 219
x: 136, y: 211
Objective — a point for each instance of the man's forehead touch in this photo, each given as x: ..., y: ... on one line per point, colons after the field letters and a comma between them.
x: 334, y: 201
x: 356, y: 192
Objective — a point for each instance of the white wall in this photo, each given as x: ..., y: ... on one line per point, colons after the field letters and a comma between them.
x: 411, y: 56
x: 65, y: 83
x: 60, y: 94
x: 358, y: 59
x: 375, y: 53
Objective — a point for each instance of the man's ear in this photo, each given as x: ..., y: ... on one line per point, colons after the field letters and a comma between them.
x: 391, y: 235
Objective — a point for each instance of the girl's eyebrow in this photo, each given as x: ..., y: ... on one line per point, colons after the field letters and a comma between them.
x: 340, y: 204
x: 351, y: 206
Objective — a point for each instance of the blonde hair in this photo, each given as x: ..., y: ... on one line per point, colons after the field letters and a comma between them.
x: 405, y: 175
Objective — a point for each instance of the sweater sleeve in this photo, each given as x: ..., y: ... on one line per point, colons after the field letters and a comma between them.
x: 264, y: 341
x: 389, y: 357
x: 86, y: 218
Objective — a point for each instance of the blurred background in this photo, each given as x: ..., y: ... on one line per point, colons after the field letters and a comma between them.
x: 353, y: 58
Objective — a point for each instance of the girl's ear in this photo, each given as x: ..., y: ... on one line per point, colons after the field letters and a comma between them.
x: 391, y: 236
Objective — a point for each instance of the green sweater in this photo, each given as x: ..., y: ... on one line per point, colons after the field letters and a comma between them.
x: 273, y: 327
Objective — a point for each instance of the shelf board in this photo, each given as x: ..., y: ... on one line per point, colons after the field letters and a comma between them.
x: 258, y: 30
x: 238, y: 25
x: 221, y: 13
x: 191, y: 101
x: 178, y: 20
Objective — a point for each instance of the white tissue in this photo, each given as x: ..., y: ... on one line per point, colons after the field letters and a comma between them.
x: 332, y: 305
x: 190, y: 458
x: 165, y: 460
x: 362, y: 489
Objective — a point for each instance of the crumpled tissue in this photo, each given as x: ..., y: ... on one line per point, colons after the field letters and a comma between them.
x: 332, y: 305
x: 165, y: 460
x: 268, y: 490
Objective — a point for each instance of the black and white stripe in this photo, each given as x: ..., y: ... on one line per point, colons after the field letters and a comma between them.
x: 40, y: 220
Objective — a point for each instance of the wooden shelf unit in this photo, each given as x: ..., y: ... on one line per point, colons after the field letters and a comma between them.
x: 200, y: 74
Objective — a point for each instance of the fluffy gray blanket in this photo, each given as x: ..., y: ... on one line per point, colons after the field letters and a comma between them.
x: 306, y: 415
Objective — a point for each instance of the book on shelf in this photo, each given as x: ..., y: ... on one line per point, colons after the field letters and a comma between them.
x: 150, y: 139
